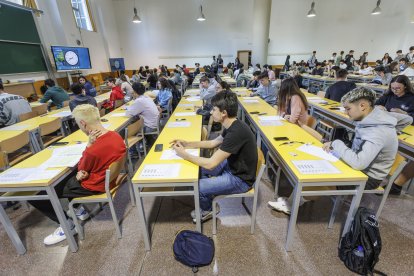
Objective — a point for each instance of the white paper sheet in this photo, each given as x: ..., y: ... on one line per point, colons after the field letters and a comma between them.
x: 69, y: 150
x: 42, y: 175
x: 270, y: 118
x: 170, y: 154
x: 313, y: 98
x: 106, y: 125
x: 181, y: 114
x: 15, y: 127
x: 315, y: 167
x: 161, y: 171
x: 270, y: 123
x: 318, y: 152
x: 178, y: 124
x: 61, y: 114
x: 193, y: 99
x: 318, y: 101
x: 16, y: 175
x: 61, y: 161
x: 186, y: 105
x: 338, y: 108
x: 249, y: 98
x: 250, y: 101
x: 121, y: 114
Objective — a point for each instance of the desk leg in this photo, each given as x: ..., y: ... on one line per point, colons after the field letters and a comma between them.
x: 197, y: 207
x: 353, y: 208
x: 62, y: 218
x: 11, y: 232
x: 141, y: 215
x: 293, y: 216
x: 34, y: 141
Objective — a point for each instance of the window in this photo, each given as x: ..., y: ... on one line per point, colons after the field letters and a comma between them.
x: 82, y: 14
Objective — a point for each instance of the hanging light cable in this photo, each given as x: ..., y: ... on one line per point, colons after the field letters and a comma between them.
x: 201, y: 17
x: 136, y: 18
x: 311, y: 12
x: 377, y: 9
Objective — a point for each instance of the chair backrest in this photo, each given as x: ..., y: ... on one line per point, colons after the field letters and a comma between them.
x: 204, y: 134
x: 209, y: 126
x: 260, y: 160
x: 27, y: 116
x: 312, y: 132
x: 50, y: 127
x: 40, y: 109
x: 169, y: 107
x: 118, y: 103
x: 17, y: 142
x: 66, y: 103
x: 398, y: 160
x: 102, y: 112
x: 3, y: 161
x: 321, y: 94
x: 113, y: 172
x: 311, y: 122
x: 134, y: 128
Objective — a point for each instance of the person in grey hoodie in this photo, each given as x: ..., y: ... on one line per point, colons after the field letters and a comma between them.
x: 207, y: 89
x: 11, y: 106
x: 80, y: 96
x: 54, y: 93
x: 375, y: 144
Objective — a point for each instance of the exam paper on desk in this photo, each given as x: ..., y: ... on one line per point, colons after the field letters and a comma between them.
x: 160, y: 171
x: 170, y: 154
x: 318, y: 152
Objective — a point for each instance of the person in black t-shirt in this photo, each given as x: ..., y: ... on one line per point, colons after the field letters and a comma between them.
x: 336, y: 91
x: 399, y: 98
x: 232, y: 168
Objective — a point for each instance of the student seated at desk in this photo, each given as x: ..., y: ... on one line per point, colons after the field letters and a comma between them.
x: 232, y: 168
x: 205, y: 110
x: 152, y: 79
x: 104, y: 147
x: 90, y: 90
x: 165, y: 93
x: 318, y: 70
x: 365, y: 69
x: 342, y: 64
x: 80, y: 96
x: 382, y: 77
x: 375, y: 144
x: 409, y: 71
x: 116, y: 94
x: 336, y: 91
x: 402, y: 65
x: 242, y: 78
x: 292, y: 103
x: 11, y: 107
x: 207, y: 89
x: 267, y: 90
x: 54, y: 93
x: 126, y: 88
x: 254, y: 83
x: 399, y: 98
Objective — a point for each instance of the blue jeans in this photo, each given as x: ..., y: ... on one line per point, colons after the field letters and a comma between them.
x: 219, y: 181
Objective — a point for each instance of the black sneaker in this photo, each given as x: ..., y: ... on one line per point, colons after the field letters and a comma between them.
x: 395, y: 190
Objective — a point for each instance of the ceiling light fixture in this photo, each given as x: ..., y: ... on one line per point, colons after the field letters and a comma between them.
x: 201, y: 17
x: 136, y: 19
x: 311, y: 12
x: 377, y: 9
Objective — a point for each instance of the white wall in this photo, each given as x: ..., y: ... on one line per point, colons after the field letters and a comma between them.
x: 170, y: 33
x: 339, y: 25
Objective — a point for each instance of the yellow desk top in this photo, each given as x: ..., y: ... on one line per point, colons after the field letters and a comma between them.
x: 318, y: 77
x: 288, y: 152
x: 188, y: 172
x: 355, y: 76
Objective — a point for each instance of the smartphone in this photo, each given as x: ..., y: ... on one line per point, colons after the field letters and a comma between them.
x: 335, y: 108
x: 104, y: 120
x: 261, y: 114
x: 254, y: 112
x: 158, y: 147
x: 281, y: 138
x: 59, y: 143
x: 179, y: 120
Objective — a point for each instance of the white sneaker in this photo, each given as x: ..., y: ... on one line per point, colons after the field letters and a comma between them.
x: 81, y: 213
x: 205, y: 215
x: 58, y: 235
x: 280, y: 206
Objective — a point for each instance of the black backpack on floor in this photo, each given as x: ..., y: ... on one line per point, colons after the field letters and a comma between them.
x: 193, y: 249
x: 359, y: 249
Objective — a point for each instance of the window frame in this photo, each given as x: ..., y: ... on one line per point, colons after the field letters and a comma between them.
x: 89, y: 13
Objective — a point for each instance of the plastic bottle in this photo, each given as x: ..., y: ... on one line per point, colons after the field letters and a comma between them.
x: 359, y: 251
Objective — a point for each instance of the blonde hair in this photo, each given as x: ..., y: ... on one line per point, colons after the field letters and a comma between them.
x: 87, y: 113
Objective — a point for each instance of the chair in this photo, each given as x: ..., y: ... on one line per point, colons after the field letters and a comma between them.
x: 134, y: 133
x: 102, y: 112
x: 10, y: 150
x: 48, y: 128
x: 40, y: 109
x: 118, y: 103
x: 168, y: 110
x: 157, y: 132
x: 327, y: 128
x: 312, y: 132
x: 396, y: 169
x: 27, y: 116
x: 321, y: 94
x: 253, y: 192
x: 113, y: 175
x: 311, y: 122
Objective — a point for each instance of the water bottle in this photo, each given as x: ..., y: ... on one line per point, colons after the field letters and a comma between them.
x: 359, y: 251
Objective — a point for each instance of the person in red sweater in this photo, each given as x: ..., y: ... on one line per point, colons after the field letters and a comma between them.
x: 116, y: 94
x: 104, y: 147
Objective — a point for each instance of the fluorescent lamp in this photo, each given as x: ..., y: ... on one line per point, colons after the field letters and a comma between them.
x: 201, y: 17
x: 311, y: 12
x: 136, y: 18
x: 377, y: 9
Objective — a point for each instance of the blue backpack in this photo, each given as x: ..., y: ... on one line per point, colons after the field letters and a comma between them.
x: 193, y: 249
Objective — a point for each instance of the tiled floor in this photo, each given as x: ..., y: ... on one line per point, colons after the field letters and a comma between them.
x: 237, y: 252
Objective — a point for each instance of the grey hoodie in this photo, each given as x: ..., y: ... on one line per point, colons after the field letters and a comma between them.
x: 375, y: 144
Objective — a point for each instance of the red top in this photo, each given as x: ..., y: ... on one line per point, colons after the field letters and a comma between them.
x: 116, y: 94
x: 186, y: 71
x: 97, y: 158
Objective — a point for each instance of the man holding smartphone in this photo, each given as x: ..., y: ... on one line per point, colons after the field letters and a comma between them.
x: 232, y: 168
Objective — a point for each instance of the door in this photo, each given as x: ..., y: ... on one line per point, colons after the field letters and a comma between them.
x: 245, y: 57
